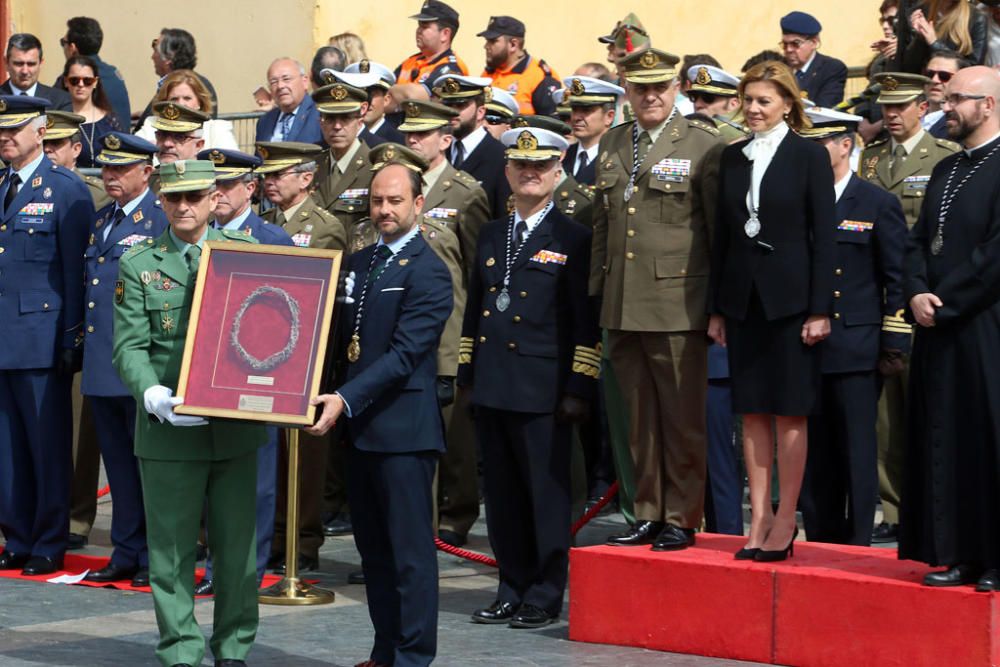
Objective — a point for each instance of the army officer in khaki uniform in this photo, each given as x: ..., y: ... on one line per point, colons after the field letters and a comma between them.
x: 901, y: 164
x: 344, y: 174
x: 182, y: 468
x: 656, y: 186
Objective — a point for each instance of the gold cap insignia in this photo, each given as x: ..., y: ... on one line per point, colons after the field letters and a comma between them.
x: 180, y: 167
x: 412, y: 111
x: 487, y: 94
x: 329, y: 78
x: 452, y: 86
x: 804, y: 94
x: 50, y: 123
x: 339, y: 93
x: 263, y: 152
x: 3, y: 106
x: 112, y: 142
x: 648, y: 60
x: 520, y: 121
x: 890, y: 84
x: 171, y: 112
x: 526, y: 141
x: 703, y: 78
x: 576, y: 88
x: 364, y: 66
x: 217, y: 157
x: 389, y: 153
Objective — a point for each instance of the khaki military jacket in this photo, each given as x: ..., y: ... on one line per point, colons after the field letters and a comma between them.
x: 97, y: 192
x: 458, y: 201
x: 311, y: 226
x: 345, y: 196
x: 575, y: 200
x: 912, y: 177
x: 153, y: 299
x: 650, y: 258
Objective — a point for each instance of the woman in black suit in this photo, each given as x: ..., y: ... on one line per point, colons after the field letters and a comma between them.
x: 771, y: 292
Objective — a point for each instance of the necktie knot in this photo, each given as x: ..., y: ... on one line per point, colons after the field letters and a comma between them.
x: 520, y: 231
x: 582, y: 161
x: 193, y: 257
x: 14, y: 181
x: 384, y: 251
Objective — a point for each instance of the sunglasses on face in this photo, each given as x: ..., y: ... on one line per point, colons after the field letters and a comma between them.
x: 496, y: 120
x: 891, y: 20
x: 707, y: 98
x: 82, y: 80
x: 189, y: 197
x: 942, y: 76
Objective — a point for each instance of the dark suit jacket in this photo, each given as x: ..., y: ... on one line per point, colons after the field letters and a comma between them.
x: 486, y: 165
x: 548, y: 321
x: 939, y: 130
x: 871, y: 238
x: 386, y: 132
x: 391, y: 389
x: 588, y: 175
x: 265, y: 232
x: 305, y: 124
x: 59, y: 98
x: 825, y: 80
x: 796, y: 213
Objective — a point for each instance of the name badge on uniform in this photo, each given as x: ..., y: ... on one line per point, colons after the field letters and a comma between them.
x: 856, y: 226
x: 37, y: 208
x: 916, y: 182
x: 671, y: 169
x: 301, y: 240
x: 441, y: 213
x: 549, y: 257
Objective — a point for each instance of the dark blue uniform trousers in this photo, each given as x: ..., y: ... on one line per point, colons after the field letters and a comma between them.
x: 724, y: 491
x: 391, y: 508
x: 36, y: 461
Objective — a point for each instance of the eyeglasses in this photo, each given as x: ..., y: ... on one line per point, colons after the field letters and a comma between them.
x: 273, y: 83
x: 942, y: 75
x: 793, y: 44
x: 82, y: 80
x: 954, y: 99
x: 176, y: 137
x: 189, y: 197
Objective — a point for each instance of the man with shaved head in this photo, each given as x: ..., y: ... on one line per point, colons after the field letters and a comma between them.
x: 951, y: 496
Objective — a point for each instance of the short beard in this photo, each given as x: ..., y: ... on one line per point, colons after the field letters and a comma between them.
x: 961, y: 130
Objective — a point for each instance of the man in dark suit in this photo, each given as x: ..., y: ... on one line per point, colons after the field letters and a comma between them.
x: 821, y: 77
x: 84, y: 37
x: 474, y: 151
x: 294, y: 117
x: 529, y: 356
x: 401, y: 303
x: 841, y: 481
x: 24, y: 61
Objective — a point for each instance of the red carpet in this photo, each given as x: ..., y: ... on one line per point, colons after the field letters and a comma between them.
x: 76, y: 563
x: 830, y: 605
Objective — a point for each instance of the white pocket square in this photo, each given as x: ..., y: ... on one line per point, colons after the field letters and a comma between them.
x: 393, y: 289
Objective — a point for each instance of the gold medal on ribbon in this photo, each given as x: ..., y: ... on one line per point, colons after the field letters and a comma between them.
x: 354, y: 349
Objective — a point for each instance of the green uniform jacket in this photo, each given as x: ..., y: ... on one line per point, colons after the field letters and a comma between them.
x: 346, y: 196
x: 910, y: 183
x: 152, y: 307
x: 311, y: 226
x: 458, y: 201
x: 650, y: 256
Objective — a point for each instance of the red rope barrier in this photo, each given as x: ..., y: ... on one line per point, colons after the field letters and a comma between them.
x: 105, y: 491
x: 476, y: 557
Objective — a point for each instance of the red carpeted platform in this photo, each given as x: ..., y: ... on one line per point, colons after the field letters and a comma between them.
x: 830, y: 605
x: 77, y: 563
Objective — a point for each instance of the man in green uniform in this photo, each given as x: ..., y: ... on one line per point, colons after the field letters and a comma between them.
x: 901, y: 164
x: 344, y: 174
x: 713, y: 93
x: 656, y: 186
x: 185, y: 461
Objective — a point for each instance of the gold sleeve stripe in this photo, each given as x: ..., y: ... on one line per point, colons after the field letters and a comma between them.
x: 896, y: 324
x: 587, y: 369
x: 464, y: 358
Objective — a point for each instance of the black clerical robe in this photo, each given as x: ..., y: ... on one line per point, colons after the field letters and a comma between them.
x: 950, y: 511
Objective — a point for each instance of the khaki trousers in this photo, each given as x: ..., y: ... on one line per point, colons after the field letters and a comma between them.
x: 891, y: 429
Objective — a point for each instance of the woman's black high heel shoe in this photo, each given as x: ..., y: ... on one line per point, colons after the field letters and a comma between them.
x: 746, y: 554
x: 764, y: 556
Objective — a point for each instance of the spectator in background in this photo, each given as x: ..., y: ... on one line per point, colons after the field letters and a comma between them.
x: 992, y: 10
x: 294, y: 117
x: 186, y: 88
x: 940, y: 68
x: 943, y: 25
x: 821, y: 77
x: 175, y: 50
x: 351, y: 46
x: 326, y: 57
x: 90, y: 101
x: 84, y: 37
x: 885, y: 48
x: 24, y: 61
x: 595, y: 71
x: 761, y: 57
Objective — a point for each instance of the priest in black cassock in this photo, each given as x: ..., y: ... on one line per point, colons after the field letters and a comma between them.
x: 950, y: 513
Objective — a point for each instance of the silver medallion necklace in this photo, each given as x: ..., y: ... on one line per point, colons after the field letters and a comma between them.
x: 503, y: 298
x: 948, y: 197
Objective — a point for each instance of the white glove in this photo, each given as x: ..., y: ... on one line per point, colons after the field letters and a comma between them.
x: 160, y: 401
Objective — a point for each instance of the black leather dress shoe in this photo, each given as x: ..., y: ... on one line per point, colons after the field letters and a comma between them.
x: 111, y: 572
x: 672, y: 538
x: 357, y: 578
x: 230, y: 663
x: 340, y: 524
x: 884, y: 533
x: 643, y: 532
x: 12, y: 561
x: 141, y: 578
x: 306, y: 564
x: 530, y: 616
x: 989, y: 581
x: 39, y: 565
x: 204, y: 587
x: 498, y: 612
x: 957, y: 575
x: 76, y: 542
x: 452, y: 538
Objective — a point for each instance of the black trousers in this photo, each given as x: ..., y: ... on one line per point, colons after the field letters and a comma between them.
x: 526, y: 483
x: 841, y: 481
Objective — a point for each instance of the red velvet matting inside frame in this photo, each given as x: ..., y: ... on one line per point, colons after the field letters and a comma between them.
x: 829, y: 605
x: 77, y: 563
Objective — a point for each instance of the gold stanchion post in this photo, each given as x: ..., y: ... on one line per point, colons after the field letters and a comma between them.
x: 290, y: 590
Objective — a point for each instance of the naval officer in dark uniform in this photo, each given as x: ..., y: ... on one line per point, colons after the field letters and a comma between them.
x: 530, y: 356
x: 43, y: 233
x: 841, y: 480
x: 134, y: 216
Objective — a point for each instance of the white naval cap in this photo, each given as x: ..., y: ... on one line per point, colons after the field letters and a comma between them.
x: 456, y: 86
x: 356, y: 79
x: 365, y: 66
x: 581, y: 91
x: 501, y: 102
x: 533, y: 143
x: 709, y: 79
x: 829, y: 123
